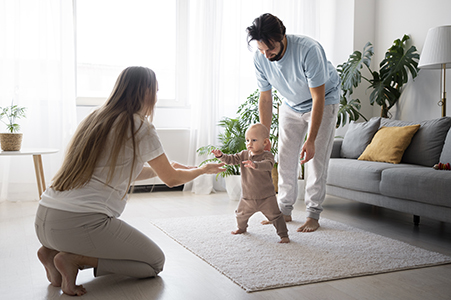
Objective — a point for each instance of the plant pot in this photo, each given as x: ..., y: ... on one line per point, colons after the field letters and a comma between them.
x: 233, y: 187
x: 11, y: 141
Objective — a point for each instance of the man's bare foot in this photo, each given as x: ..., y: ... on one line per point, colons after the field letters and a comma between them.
x: 46, y: 256
x: 286, y: 217
x: 238, y: 231
x: 284, y: 240
x: 68, y: 265
x: 309, y: 226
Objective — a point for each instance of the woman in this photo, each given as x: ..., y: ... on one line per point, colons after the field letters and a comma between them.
x: 77, y: 219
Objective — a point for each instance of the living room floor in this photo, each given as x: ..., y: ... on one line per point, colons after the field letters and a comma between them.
x: 188, y: 277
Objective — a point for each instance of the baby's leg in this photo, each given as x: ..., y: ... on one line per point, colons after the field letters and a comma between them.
x: 239, y: 231
x: 245, y: 209
x: 286, y: 217
x: 272, y: 212
x: 284, y: 240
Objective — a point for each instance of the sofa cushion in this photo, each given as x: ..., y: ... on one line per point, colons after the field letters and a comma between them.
x: 358, y: 136
x: 421, y: 184
x: 426, y: 146
x: 358, y: 175
x: 389, y: 144
x: 445, y: 156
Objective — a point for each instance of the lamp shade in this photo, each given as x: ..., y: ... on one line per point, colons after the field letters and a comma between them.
x: 436, y: 49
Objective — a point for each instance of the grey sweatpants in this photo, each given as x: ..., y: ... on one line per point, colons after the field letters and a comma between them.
x: 293, y: 127
x: 120, y: 248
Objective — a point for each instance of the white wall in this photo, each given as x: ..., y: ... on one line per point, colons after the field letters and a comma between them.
x: 414, y: 17
x: 381, y: 22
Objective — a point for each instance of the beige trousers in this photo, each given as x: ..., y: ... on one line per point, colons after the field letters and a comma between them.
x: 269, y: 207
x: 120, y: 248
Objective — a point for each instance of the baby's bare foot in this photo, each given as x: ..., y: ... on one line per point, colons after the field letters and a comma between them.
x: 286, y: 217
x: 284, y: 240
x: 68, y: 265
x: 238, y: 231
x: 46, y: 256
x: 309, y: 226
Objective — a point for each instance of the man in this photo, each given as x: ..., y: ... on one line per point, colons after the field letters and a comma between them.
x: 297, y: 67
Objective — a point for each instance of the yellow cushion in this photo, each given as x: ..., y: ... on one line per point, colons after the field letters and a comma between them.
x: 389, y: 144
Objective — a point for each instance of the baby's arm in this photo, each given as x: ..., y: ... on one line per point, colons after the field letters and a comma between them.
x: 249, y: 164
x: 263, y: 165
x: 217, y: 153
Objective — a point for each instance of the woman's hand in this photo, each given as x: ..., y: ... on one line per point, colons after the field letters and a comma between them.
x: 213, y: 168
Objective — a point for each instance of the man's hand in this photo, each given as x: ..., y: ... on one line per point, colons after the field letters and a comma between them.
x: 308, y: 151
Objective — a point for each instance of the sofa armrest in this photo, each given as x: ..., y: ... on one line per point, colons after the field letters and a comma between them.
x: 336, y: 148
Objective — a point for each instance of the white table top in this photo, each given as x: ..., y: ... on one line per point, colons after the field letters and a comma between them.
x: 30, y: 151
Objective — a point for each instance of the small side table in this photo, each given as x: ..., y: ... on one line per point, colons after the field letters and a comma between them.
x: 38, y: 167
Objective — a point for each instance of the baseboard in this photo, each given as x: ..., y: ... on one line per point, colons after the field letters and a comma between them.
x: 148, y: 188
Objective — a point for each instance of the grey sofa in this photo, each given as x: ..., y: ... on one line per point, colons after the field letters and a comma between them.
x: 412, y: 186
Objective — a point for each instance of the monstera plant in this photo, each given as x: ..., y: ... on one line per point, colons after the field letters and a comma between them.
x: 386, y: 84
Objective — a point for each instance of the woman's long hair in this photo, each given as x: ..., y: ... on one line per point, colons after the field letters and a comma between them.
x: 134, y: 93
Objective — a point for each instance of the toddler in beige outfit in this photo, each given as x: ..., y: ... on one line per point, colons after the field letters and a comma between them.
x: 258, y: 192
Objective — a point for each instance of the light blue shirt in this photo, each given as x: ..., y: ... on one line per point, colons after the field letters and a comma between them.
x: 303, y: 66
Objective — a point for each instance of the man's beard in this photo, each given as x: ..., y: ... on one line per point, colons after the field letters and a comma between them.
x: 278, y: 56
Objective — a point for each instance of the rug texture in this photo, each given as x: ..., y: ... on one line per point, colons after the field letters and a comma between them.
x: 256, y: 261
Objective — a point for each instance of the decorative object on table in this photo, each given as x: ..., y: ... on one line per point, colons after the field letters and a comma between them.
x: 12, y: 140
x: 437, y: 55
x: 386, y: 84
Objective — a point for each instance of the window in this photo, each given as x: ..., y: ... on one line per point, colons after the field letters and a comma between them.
x: 112, y: 35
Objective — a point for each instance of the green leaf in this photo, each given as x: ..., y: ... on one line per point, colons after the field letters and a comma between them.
x: 349, y: 109
x: 398, y: 63
x: 383, y: 94
x: 350, y: 70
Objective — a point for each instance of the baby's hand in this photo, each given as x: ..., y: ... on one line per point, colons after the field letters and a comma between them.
x: 216, y: 152
x: 249, y: 164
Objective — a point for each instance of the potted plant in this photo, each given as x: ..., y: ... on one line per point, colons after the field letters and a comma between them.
x: 232, y: 138
x: 12, y: 140
x: 394, y: 70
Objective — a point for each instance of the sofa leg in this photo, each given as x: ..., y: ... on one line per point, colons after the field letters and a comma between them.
x: 416, y: 220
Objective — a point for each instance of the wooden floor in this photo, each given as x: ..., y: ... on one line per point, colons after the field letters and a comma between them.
x: 187, y: 277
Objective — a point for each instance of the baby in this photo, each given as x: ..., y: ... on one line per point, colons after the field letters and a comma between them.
x: 258, y: 192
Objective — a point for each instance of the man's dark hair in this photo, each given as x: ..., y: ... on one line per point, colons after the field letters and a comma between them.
x: 267, y: 29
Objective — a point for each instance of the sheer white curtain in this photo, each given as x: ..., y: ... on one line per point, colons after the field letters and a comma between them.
x: 37, y: 70
x: 221, y: 72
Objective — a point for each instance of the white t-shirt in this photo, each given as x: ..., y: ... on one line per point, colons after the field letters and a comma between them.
x: 303, y: 66
x: 109, y: 199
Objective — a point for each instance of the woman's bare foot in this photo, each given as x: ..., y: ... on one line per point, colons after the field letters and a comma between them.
x: 238, y: 231
x: 46, y: 257
x: 309, y: 226
x: 286, y: 217
x: 68, y: 265
x: 284, y: 240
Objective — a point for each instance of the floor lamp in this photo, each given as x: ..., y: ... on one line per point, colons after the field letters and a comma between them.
x: 436, y: 54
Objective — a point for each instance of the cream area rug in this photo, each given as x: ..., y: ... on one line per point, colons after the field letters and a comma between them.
x: 256, y: 261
